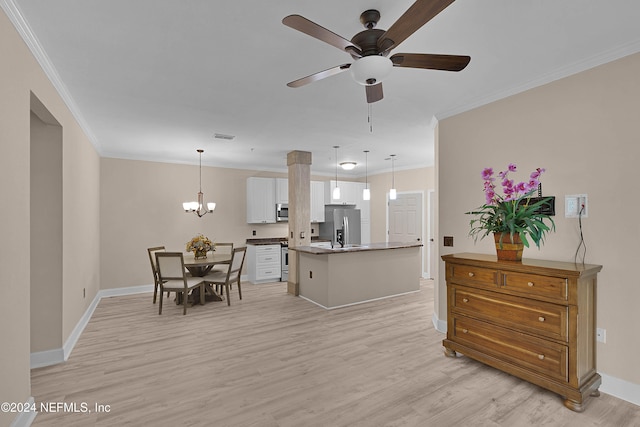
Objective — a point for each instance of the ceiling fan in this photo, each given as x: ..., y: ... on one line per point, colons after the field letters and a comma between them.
x: 370, y: 48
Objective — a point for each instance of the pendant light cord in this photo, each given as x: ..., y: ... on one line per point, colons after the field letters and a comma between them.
x: 366, y: 172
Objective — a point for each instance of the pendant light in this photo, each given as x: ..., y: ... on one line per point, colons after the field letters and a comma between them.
x: 198, y: 207
x: 366, y: 194
x: 336, y: 191
x: 392, y: 192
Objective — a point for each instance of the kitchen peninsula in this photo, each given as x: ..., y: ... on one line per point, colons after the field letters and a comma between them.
x: 338, y: 277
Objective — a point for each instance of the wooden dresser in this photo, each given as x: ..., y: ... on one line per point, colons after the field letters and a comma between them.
x: 533, y: 319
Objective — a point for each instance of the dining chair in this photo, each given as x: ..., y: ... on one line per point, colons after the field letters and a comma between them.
x: 173, y: 277
x: 154, y: 269
x: 231, y: 275
x: 222, y: 248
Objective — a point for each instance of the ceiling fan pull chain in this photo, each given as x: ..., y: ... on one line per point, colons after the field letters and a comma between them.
x: 370, y: 118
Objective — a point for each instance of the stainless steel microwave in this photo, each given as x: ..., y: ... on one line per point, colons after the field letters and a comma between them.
x: 282, y: 212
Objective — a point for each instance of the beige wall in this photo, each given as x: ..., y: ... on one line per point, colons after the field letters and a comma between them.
x: 141, y: 207
x: 80, y: 238
x: 584, y: 130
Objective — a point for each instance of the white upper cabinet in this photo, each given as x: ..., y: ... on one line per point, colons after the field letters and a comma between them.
x: 282, y: 190
x: 261, y: 200
x: 317, y: 201
x: 348, y: 192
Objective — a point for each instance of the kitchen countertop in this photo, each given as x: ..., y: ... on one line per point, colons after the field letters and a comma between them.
x: 267, y: 241
x: 356, y: 248
x: 278, y: 240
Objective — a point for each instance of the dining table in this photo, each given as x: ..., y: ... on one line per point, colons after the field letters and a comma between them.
x: 200, y: 267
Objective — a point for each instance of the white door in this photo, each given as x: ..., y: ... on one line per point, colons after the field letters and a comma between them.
x: 405, y: 218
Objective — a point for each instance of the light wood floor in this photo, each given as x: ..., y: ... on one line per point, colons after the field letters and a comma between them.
x: 276, y: 360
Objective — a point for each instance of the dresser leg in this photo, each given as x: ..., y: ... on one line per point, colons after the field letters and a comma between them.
x: 449, y: 353
x: 573, y: 405
x: 595, y: 393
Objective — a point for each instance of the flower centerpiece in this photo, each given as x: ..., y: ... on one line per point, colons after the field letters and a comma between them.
x: 514, y: 218
x: 199, y: 245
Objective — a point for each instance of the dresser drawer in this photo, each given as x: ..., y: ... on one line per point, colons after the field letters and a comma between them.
x: 545, y: 357
x: 533, y: 284
x: 470, y: 275
x: 535, y: 317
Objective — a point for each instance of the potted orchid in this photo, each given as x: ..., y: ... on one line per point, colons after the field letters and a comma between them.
x: 516, y: 217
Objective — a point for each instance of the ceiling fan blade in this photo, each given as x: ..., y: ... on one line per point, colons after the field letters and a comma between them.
x: 374, y: 93
x: 421, y: 12
x: 430, y: 61
x: 312, y: 29
x: 319, y: 76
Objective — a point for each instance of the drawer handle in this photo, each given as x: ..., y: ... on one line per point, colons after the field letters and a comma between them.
x: 541, y: 356
x: 465, y: 299
x: 541, y: 318
x: 471, y: 274
x: 464, y: 331
x: 530, y: 284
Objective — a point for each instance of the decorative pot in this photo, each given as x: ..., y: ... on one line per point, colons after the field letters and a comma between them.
x: 199, y: 253
x: 509, y: 250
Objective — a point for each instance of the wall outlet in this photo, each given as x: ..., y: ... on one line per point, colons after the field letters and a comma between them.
x: 601, y: 335
x: 576, y: 206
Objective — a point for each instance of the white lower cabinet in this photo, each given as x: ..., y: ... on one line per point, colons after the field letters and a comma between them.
x: 263, y: 263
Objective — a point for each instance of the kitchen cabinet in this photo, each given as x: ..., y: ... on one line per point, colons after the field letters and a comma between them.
x: 533, y: 319
x: 317, y: 201
x: 282, y: 190
x: 263, y: 263
x: 348, y: 192
x: 261, y: 200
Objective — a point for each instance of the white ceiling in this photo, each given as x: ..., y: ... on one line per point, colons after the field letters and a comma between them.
x: 156, y: 79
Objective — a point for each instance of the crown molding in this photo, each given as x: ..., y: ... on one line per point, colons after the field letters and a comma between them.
x: 16, y: 17
x: 562, y: 72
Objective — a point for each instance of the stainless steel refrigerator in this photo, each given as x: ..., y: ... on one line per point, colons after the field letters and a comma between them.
x: 341, y: 225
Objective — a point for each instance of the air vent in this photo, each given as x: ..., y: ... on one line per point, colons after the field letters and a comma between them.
x: 223, y: 136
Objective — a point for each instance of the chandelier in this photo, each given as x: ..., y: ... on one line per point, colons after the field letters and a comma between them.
x: 198, y: 207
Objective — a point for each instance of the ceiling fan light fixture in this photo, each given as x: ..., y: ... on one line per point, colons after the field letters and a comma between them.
x: 370, y: 70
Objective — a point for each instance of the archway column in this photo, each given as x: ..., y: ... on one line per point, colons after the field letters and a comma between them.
x: 299, y: 164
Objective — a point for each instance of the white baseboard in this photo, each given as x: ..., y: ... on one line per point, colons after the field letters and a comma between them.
x: 359, y: 302
x: 58, y: 355
x: 439, y: 325
x: 621, y: 389
x: 24, y: 419
x: 40, y: 359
